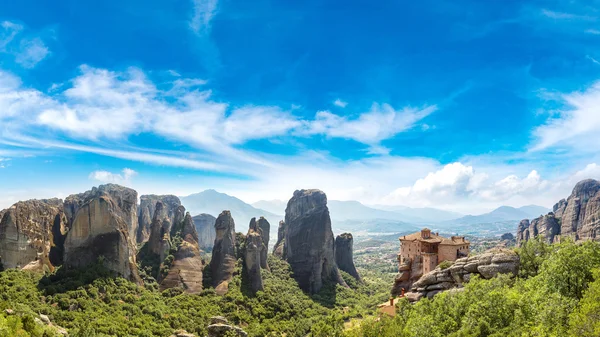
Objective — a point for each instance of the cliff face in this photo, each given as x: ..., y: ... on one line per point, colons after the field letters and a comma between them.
x: 32, y: 235
x: 255, y: 254
x: 147, y: 209
x: 578, y: 217
x: 309, y: 242
x: 186, y: 269
x: 487, y: 265
x: 205, y: 226
x: 102, y: 226
x: 278, y: 248
x: 344, y: 256
x: 222, y: 264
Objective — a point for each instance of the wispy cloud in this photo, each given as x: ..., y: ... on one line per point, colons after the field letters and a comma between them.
x: 3, y: 162
x: 576, y: 124
x: 27, y: 51
x: 565, y: 16
x: 593, y: 31
x: 381, y: 122
x: 340, y: 103
x: 108, y: 177
x: 592, y: 59
x: 32, y: 52
x: 203, y: 13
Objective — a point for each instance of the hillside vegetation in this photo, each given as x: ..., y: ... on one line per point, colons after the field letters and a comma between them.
x: 92, y: 303
x: 556, y: 294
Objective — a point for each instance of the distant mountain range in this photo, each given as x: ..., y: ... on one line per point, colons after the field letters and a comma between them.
x: 353, y: 215
x: 213, y: 202
x: 501, y: 214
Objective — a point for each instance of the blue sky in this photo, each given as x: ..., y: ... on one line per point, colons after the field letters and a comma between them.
x: 462, y: 105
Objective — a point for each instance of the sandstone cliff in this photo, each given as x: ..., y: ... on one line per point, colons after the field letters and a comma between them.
x: 344, y: 256
x: 147, y: 210
x: 102, y: 226
x: 278, y: 248
x: 255, y: 254
x: 265, y: 227
x: 185, y: 270
x: 577, y: 217
x: 205, y: 226
x: 309, y: 242
x: 222, y: 264
x: 486, y: 265
x: 32, y: 235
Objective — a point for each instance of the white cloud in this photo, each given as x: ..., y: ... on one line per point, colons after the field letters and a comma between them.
x: 565, y: 16
x: 592, y: 59
x: 381, y: 122
x: 3, y: 162
x: 8, y: 32
x: 32, y: 52
x: 593, y: 31
x: 29, y: 51
x: 118, y: 178
x: 577, y: 125
x: 204, y: 11
x: 340, y: 103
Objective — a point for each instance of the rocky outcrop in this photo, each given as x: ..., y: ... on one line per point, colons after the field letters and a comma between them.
x: 222, y: 264
x: 219, y: 327
x: 265, y: 227
x: 547, y: 227
x: 278, y: 248
x: 487, y: 266
x: 255, y: 255
x: 309, y: 242
x: 205, y: 226
x: 344, y: 254
x: 147, y: 209
x: 32, y: 235
x: 158, y: 243
x: 102, y: 227
x: 578, y: 217
x: 409, y: 272
x: 185, y: 270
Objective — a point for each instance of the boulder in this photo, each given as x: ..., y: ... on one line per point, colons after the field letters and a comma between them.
x: 219, y: 327
x: 205, y: 226
x: 309, y: 242
x: 102, y: 227
x: 148, y: 208
x: 487, y: 265
x: 186, y: 269
x: 222, y: 264
x: 344, y: 254
x: 32, y: 235
x: 278, y: 248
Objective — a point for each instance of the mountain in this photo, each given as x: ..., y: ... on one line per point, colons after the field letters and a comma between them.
x: 503, y: 213
x: 273, y: 206
x: 213, y: 202
x: 426, y: 214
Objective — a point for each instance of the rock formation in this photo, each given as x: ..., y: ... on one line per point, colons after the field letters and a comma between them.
x: 578, y: 217
x: 547, y: 227
x: 158, y: 242
x: 205, y: 226
x: 278, y: 248
x: 344, y: 254
x: 32, y: 235
x: 185, y: 270
x: 147, y: 210
x: 265, y: 227
x: 219, y: 327
x: 255, y: 255
x: 409, y: 272
x: 309, y: 242
x: 222, y: 264
x: 102, y: 226
x: 487, y: 265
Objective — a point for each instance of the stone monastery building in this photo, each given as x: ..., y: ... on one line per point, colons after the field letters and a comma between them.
x: 431, y: 249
